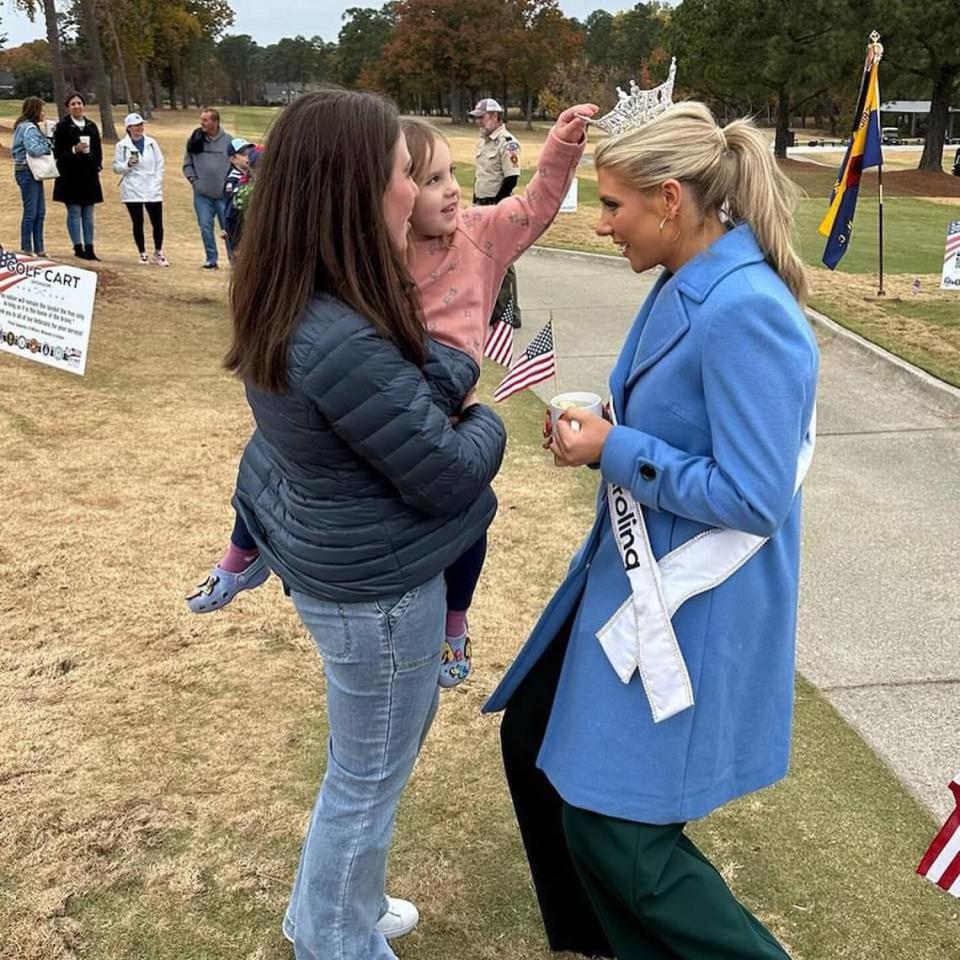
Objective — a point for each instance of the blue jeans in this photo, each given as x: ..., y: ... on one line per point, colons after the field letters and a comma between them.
x: 34, y: 210
x: 207, y: 208
x: 80, y: 224
x: 381, y: 660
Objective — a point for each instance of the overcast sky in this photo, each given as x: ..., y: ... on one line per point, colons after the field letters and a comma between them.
x: 269, y: 20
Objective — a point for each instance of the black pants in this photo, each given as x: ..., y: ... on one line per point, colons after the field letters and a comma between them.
x: 155, y: 212
x: 568, y: 915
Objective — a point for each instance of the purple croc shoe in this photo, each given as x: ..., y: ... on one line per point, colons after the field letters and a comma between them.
x: 222, y: 586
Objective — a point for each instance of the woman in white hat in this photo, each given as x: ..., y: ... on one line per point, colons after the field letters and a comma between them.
x: 139, y: 162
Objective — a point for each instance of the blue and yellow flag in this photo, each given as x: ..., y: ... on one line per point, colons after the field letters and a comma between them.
x: 863, y: 152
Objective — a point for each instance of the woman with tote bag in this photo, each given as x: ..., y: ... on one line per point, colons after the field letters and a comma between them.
x: 32, y: 163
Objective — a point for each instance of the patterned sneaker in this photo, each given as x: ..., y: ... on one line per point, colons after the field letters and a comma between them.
x: 455, y: 661
x: 222, y: 586
x: 144, y: 259
x: 160, y: 260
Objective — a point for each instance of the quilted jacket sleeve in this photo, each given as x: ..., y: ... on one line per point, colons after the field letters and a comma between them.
x: 380, y: 405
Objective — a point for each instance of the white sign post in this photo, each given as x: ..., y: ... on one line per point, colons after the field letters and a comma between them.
x: 569, y: 204
x: 950, y: 278
x: 46, y: 310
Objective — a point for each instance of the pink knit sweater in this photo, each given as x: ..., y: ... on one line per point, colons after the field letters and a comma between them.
x: 459, y: 277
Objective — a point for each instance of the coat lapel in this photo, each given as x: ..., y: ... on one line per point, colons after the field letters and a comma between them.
x: 665, y: 325
x: 621, y: 371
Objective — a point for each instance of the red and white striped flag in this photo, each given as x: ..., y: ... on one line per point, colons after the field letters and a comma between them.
x: 499, y: 346
x: 941, y: 862
x: 536, y: 364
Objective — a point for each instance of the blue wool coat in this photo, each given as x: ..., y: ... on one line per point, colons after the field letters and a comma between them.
x: 714, y: 391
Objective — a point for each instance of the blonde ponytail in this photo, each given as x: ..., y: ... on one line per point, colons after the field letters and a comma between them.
x: 729, y: 169
x: 762, y: 195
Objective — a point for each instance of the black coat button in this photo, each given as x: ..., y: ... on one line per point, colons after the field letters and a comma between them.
x: 648, y: 472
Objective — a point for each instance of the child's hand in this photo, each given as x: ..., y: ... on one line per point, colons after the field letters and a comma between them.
x: 570, y: 126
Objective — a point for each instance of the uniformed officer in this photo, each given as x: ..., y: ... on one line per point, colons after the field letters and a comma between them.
x: 497, y: 166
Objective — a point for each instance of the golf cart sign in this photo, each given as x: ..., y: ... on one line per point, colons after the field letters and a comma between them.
x: 45, y: 310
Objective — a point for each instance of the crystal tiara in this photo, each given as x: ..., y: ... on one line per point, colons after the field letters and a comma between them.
x: 638, y: 107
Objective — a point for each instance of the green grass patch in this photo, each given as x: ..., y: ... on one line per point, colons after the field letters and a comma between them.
x: 251, y: 123
x: 922, y: 353
x: 914, y: 232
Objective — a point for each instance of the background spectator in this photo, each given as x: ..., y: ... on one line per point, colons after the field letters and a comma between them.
x: 206, y: 164
x: 29, y: 140
x: 139, y: 162
x: 76, y: 145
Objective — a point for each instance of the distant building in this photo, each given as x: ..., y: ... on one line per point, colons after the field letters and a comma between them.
x: 913, y: 114
x: 7, y: 83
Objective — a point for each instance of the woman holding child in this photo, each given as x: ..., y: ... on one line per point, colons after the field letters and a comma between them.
x: 368, y: 476
x: 658, y: 683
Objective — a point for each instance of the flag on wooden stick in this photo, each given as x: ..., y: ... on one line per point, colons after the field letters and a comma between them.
x: 941, y: 862
x: 536, y: 364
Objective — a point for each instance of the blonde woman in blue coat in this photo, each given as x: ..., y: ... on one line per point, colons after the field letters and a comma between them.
x: 658, y: 683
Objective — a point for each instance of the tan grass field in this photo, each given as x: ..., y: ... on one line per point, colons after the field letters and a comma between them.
x: 157, y: 768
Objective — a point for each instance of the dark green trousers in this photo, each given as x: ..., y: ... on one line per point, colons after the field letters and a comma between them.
x: 657, y: 896
x: 610, y: 887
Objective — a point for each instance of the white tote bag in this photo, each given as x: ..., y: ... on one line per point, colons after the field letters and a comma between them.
x: 43, y: 168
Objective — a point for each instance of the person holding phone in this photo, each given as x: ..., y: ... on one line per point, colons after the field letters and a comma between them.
x: 79, y: 154
x: 139, y: 162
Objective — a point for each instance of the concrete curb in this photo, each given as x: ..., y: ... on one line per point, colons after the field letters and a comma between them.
x: 584, y: 255
x: 943, y: 393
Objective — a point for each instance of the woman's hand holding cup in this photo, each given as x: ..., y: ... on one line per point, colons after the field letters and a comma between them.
x: 578, y: 438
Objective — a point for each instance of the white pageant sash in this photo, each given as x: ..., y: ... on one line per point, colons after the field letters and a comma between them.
x: 640, y: 635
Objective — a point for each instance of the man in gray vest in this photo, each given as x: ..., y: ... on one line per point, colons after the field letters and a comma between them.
x: 497, y: 173
x: 206, y: 164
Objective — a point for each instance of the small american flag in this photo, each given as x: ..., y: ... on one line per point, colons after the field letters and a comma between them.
x: 941, y: 862
x: 953, y: 241
x: 536, y: 364
x: 499, y: 346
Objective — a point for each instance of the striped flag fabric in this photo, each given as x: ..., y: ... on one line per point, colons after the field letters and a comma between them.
x: 499, y: 345
x: 952, y: 248
x: 536, y: 364
x: 941, y: 862
x: 864, y: 151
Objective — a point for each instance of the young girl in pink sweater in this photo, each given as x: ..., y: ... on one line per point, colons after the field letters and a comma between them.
x: 458, y: 258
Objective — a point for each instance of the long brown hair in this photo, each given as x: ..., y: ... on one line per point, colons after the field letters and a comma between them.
x: 316, y: 224
x: 30, y: 111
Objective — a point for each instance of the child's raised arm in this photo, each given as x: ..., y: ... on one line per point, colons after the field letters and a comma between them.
x: 506, y: 230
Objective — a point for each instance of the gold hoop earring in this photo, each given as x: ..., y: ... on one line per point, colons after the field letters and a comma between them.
x: 675, y: 237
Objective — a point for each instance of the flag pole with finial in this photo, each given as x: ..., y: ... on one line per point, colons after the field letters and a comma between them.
x: 874, y: 56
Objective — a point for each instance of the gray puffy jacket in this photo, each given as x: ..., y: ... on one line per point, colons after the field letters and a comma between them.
x: 354, y: 484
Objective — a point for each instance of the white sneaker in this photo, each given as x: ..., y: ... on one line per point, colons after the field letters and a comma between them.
x: 144, y: 260
x: 399, y: 920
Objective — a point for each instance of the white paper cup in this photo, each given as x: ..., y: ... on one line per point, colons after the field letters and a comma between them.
x: 51, y: 125
x: 85, y: 143
x: 575, y: 400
